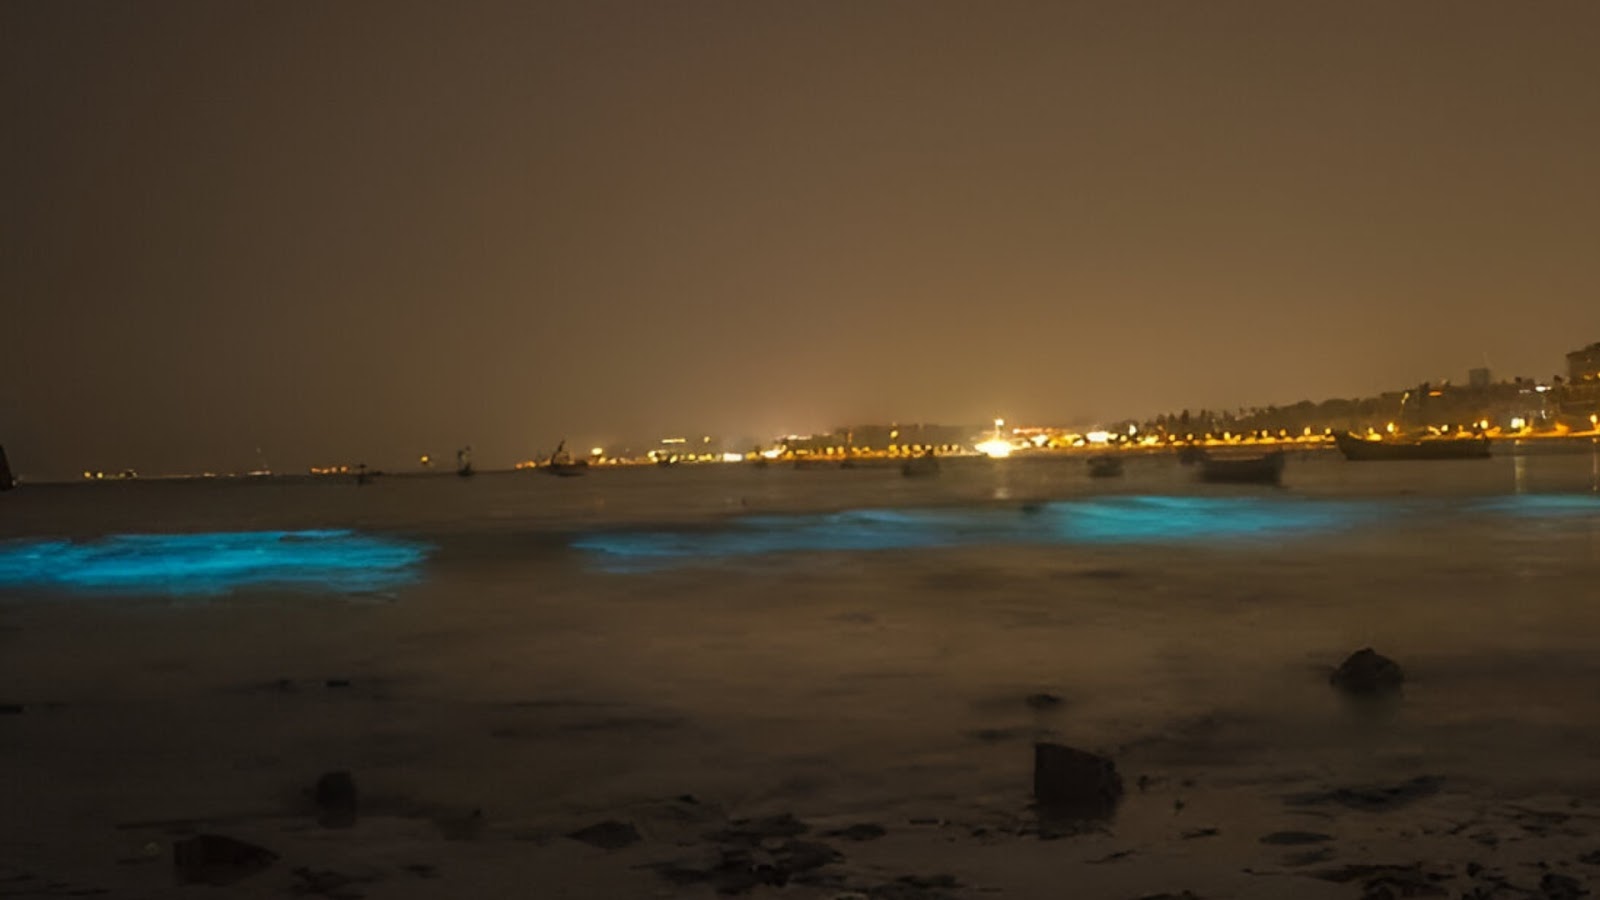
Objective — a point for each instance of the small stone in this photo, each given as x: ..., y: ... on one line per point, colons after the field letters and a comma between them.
x: 1367, y: 672
x: 1069, y: 780
x: 607, y: 835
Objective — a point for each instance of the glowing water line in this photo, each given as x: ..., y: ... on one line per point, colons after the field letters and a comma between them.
x: 212, y: 563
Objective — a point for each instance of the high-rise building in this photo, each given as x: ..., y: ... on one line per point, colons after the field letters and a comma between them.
x: 1584, y: 365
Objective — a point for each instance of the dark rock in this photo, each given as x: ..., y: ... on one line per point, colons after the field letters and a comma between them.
x: 607, y: 835
x: 1042, y: 701
x: 1560, y: 887
x: 862, y: 831
x: 1295, y: 838
x: 12, y: 709
x: 337, y: 683
x: 218, y: 859
x: 422, y: 870
x: 1068, y: 780
x: 1367, y: 672
x: 336, y: 799
x: 1200, y: 833
x: 1591, y: 858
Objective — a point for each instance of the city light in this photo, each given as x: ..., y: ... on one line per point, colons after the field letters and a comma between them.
x: 994, y: 448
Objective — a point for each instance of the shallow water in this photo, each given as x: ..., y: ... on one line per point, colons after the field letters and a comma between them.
x: 833, y: 639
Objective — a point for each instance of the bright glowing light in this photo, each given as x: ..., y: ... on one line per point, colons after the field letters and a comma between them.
x: 212, y: 563
x: 597, y: 451
x: 733, y: 457
x: 774, y: 453
x: 1098, y: 437
x: 994, y: 448
x: 1517, y: 423
x: 1389, y: 428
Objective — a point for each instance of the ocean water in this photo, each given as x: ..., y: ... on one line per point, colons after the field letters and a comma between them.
x: 827, y: 639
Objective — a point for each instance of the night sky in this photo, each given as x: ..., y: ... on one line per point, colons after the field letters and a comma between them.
x: 362, y: 231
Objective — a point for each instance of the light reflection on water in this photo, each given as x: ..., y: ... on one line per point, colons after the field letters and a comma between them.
x: 212, y: 563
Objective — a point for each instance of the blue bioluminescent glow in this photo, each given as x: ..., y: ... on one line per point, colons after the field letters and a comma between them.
x: 212, y: 563
x: 1097, y: 520
x: 1544, y: 505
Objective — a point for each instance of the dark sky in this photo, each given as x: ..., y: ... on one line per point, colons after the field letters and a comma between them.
x: 341, y: 231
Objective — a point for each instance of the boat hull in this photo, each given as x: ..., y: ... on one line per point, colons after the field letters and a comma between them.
x: 1253, y: 470
x: 1358, y: 450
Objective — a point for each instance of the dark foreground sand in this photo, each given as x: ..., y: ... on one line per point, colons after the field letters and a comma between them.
x: 839, y: 732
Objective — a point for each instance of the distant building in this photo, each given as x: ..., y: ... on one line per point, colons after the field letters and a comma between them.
x: 1478, y: 378
x: 1584, y: 365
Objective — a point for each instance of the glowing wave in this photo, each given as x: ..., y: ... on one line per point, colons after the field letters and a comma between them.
x: 1099, y: 520
x: 212, y: 563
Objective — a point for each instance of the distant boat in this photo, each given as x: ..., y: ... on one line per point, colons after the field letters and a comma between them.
x: 1266, y: 469
x: 1105, y: 466
x: 924, y: 466
x: 7, y: 480
x: 1357, y: 449
x: 464, y: 463
x: 561, y: 463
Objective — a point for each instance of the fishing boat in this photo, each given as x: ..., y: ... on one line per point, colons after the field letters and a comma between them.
x: 1358, y: 449
x: 7, y: 480
x: 924, y: 466
x: 1267, y: 469
x: 1105, y: 466
x: 562, y: 465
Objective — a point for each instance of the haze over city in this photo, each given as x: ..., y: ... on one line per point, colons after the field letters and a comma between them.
x: 368, y: 230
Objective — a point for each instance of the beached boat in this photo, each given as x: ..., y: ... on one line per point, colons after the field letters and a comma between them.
x: 1357, y: 449
x: 923, y: 466
x: 1105, y: 466
x: 1267, y: 469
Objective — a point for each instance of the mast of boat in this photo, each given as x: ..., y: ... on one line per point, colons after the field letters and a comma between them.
x: 7, y: 481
